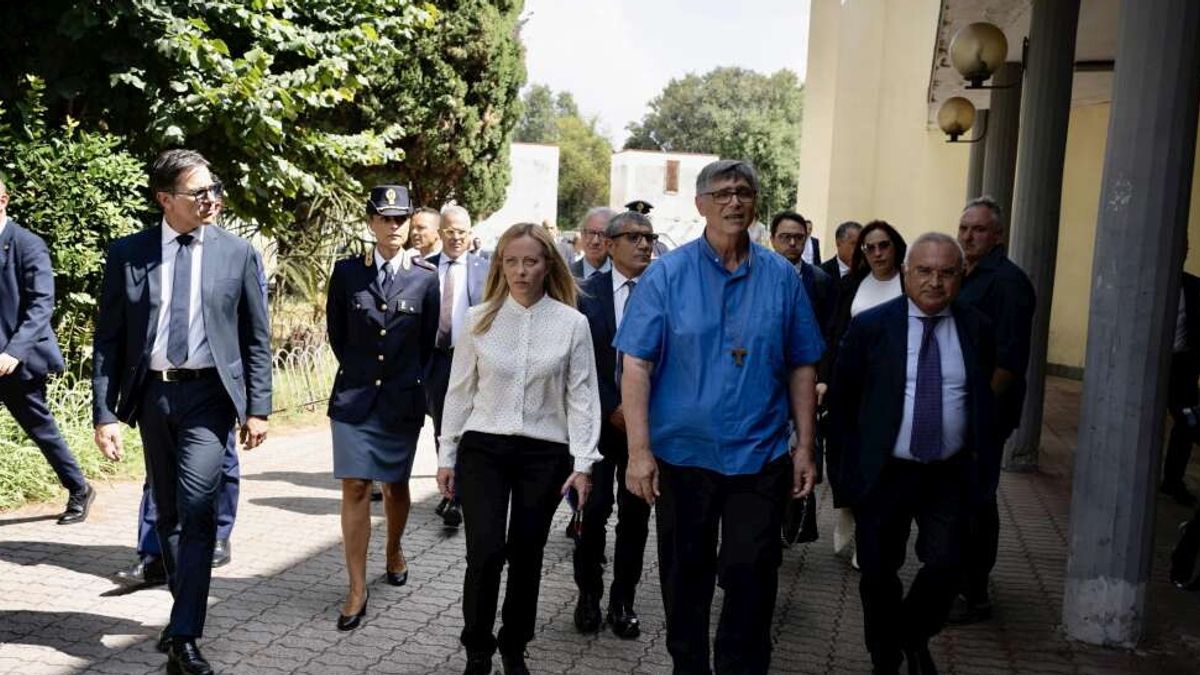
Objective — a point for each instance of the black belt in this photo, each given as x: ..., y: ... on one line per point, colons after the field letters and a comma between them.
x: 182, y: 374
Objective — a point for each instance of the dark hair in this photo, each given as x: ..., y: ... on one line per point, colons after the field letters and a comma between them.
x: 169, y: 165
x: 626, y: 217
x: 859, y: 267
x: 788, y: 215
x: 987, y: 202
x: 427, y: 209
x: 843, y: 230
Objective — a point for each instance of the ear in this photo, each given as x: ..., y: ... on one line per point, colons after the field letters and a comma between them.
x: 161, y: 198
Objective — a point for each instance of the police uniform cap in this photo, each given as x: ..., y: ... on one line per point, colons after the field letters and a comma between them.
x: 389, y: 200
x: 640, y: 206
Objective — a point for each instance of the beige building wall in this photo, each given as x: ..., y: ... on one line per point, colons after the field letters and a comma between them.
x: 867, y: 150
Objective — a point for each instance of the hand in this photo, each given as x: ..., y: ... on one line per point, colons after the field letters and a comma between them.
x: 617, y: 418
x: 582, y: 483
x: 8, y: 364
x: 108, y: 439
x: 445, y: 481
x: 821, y: 389
x: 804, y: 473
x: 254, y: 432
x: 641, y: 476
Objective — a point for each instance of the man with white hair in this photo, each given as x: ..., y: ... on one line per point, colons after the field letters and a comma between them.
x: 912, y: 420
x: 592, y: 231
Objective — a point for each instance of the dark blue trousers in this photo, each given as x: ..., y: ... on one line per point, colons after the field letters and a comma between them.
x: 184, y: 428
x: 227, y: 504
x: 26, y: 401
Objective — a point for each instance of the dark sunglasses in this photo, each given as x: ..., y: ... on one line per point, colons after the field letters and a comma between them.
x: 636, y: 238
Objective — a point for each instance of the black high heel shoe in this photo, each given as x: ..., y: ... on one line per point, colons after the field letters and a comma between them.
x: 345, y: 623
x: 398, y: 578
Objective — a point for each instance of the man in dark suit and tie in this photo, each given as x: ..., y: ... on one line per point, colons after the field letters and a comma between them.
x: 1183, y: 397
x: 846, y: 238
x: 29, y: 353
x: 630, y: 238
x: 182, y: 350
x: 461, y: 275
x: 595, y: 248
x: 912, y: 407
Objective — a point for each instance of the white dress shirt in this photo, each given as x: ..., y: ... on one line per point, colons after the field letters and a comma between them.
x: 199, y: 353
x: 843, y: 268
x: 621, y: 293
x: 4, y: 221
x: 532, y: 374
x: 954, y: 384
x: 458, y: 313
x: 400, y: 261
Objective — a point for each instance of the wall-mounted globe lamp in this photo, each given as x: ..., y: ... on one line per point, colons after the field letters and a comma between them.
x: 956, y: 117
x: 977, y: 51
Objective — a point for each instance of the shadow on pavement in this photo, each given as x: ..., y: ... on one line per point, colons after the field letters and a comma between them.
x: 98, y: 560
x: 75, y: 633
x: 321, y: 481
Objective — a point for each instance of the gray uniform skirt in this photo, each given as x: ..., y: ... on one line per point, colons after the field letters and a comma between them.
x: 370, y: 451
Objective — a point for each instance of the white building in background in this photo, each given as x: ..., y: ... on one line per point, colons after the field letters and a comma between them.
x: 665, y: 179
x: 532, y: 194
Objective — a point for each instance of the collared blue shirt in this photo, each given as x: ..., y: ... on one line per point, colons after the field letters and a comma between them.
x: 954, y: 384
x: 687, y: 315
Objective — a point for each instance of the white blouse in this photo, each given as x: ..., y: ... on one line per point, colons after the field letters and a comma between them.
x: 872, y: 292
x: 532, y: 374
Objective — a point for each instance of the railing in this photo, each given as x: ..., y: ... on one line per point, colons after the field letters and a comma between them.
x: 303, y: 377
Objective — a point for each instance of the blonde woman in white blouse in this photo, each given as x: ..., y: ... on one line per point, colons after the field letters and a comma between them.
x: 519, y: 429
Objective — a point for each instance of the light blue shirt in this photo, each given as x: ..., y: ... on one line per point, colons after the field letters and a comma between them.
x: 588, y: 270
x: 954, y: 384
x: 688, y: 316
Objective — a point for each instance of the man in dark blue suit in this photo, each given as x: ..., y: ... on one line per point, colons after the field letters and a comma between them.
x: 912, y: 423
x: 29, y: 353
x: 605, y: 295
x: 182, y: 350
x: 461, y: 276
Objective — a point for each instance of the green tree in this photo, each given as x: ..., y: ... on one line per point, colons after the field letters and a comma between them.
x: 585, y: 155
x: 734, y: 113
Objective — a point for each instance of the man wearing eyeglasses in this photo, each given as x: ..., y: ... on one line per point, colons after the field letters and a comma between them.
x: 595, y: 247
x: 630, y: 238
x: 720, y: 346
x: 182, y: 351
x: 789, y: 238
x: 461, y: 275
x: 29, y: 353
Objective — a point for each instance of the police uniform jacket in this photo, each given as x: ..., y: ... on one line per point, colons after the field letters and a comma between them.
x: 27, y: 303
x: 383, y: 344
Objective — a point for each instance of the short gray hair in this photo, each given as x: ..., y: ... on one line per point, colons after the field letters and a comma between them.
x: 843, y: 230
x: 592, y: 213
x: 727, y: 168
x: 626, y: 218
x: 989, y: 203
x: 456, y: 211
x: 936, y: 238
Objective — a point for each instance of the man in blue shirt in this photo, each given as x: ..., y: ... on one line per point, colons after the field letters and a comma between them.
x: 719, y: 343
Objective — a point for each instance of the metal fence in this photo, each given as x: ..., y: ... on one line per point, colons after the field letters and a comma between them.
x: 303, y: 377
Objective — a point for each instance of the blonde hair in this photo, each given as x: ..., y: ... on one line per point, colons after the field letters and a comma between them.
x: 558, y: 282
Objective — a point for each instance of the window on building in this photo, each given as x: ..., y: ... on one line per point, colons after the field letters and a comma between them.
x: 672, y: 183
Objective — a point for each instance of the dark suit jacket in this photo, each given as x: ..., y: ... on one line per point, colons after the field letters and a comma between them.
x: 867, y: 396
x: 383, y: 344
x: 235, y: 323
x: 477, y: 271
x: 815, y: 245
x: 596, y: 303
x: 27, y: 303
x: 1185, y: 365
x: 830, y: 267
x: 576, y: 268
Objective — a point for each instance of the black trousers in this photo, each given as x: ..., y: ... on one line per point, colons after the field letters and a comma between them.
x: 436, y: 385
x: 633, y: 526
x: 513, y: 481
x: 184, y: 426
x: 982, y: 542
x: 26, y: 402
x: 935, y: 495
x: 694, y: 506
x: 1181, y: 393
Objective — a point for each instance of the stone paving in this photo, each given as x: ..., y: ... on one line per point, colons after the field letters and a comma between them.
x: 273, y: 609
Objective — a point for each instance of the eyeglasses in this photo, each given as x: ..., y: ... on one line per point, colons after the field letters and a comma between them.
x: 924, y: 273
x: 882, y: 246
x: 636, y: 238
x: 451, y: 233
x: 791, y: 239
x: 725, y: 196
x: 210, y: 193
x: 593, y: 234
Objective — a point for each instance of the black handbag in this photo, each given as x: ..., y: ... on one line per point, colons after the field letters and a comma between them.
x: 800, y: 521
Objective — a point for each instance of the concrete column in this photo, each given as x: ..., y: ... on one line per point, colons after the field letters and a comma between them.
x: 1033, y: 229
x: 1143, y: 215
x: 975, y: 163
x: 1003, y: 120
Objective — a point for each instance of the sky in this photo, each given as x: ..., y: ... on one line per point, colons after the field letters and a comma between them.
x: 615, y: 56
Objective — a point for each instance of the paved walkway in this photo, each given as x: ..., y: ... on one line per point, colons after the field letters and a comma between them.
x: 273, y: 609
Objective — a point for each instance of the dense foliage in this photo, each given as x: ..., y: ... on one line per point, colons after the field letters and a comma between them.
x: 733, y: 113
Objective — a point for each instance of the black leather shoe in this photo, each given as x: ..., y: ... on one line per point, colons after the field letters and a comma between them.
x: 587, y: 613
x: 919, y: 660
x: 78, y: 506
x: 147, y: 572
x: 222, y: 553
x: 452, y: 515
x: 345, y: 623
x: 624, y: 621
x: 478, y: 664
x: 514, y: 663
x: 183, y: 658
x: 965, y: 612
